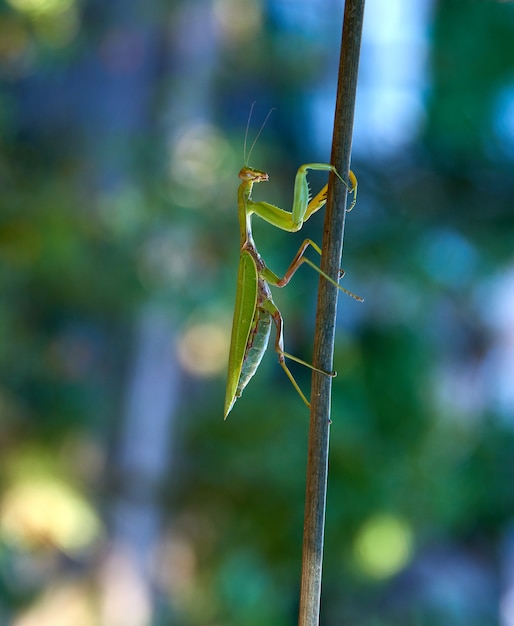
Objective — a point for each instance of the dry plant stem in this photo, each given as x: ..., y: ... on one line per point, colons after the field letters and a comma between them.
x: 317, y: 460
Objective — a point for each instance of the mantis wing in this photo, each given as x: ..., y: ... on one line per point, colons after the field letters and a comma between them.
x: 244, y: 311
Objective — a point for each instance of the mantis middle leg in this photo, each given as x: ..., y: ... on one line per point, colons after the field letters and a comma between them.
x: 300, y: 258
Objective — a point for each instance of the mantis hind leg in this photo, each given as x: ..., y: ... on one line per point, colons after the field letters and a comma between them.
x: 276, y: 316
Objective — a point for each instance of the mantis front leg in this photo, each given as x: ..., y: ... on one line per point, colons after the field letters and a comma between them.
x: 303, y: 205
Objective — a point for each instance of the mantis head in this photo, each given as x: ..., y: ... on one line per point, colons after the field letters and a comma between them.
x: 251, y: 175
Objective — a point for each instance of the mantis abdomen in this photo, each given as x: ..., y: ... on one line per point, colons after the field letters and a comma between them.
x: 255, y: 347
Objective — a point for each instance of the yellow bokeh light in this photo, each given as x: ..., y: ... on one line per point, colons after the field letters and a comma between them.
x: 383, y: 546
x: 66, y: 604
x: 58, y: 30
x: 47, y: 511
x: 41, y: 7
x: 203, y: 348
x: 238, y: 20
x: 197, y: 159
x: 55, y: 22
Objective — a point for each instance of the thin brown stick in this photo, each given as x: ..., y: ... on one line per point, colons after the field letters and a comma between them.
x: 317, y: 461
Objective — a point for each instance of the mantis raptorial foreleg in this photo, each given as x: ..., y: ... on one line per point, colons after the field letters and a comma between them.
x: 303, y: 205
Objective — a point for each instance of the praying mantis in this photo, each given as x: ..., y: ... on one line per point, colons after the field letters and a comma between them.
x: 255, y: 310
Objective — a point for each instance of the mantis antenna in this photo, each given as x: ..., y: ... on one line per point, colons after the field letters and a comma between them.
x: 247, y: 158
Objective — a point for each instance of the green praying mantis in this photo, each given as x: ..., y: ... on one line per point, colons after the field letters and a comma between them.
x: 255, y: 311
